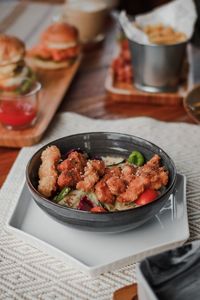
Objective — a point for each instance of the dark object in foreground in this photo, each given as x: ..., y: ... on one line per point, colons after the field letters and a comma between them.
x: 174, y: 274
x: 192, y: 104
x: 102, y: 143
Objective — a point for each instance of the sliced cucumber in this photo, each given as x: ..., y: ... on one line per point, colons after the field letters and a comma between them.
x: 124, y: 206
x: 72, y: 199
x: 112, y: 160
x: 93, y: 198
x: 108, y: 207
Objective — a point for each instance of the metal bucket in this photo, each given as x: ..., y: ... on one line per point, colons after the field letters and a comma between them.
x: 157, y: 68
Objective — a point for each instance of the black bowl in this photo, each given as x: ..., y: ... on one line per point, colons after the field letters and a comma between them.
x: 97, y: 144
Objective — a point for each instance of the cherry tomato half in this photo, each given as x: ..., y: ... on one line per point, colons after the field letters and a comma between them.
x: 147, y: 196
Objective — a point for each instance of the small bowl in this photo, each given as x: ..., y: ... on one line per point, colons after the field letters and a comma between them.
x: 102, y: 143
x: 19, y: 111
x: 157, y: 68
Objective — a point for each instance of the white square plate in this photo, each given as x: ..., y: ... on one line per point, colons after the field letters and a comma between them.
x: 96, y: 253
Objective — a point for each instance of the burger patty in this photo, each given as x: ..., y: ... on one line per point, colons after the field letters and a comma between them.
x: 55, y: 54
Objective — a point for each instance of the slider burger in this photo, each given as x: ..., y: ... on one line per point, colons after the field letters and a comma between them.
x: 15, y: 76
x: 58, y: 47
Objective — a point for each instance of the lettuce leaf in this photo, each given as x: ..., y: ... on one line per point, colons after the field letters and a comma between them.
x: 26, y: 84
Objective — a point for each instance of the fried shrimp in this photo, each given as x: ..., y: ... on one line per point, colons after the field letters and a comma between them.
x: 134, y: 189
x: 103, y: 193
x: 93, y: 170
x: 116, y: 185
x: 74, y: 160
x: 156, y: 175
x: 71, y: 169
x: 128, y: 173
x: 47, y: 171
x: 151, y: 175
x: 109, y: 182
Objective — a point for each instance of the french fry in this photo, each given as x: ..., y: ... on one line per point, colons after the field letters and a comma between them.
x: 163, y: 35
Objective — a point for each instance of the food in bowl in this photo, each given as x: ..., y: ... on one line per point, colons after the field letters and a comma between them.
x: 100, y: 184
x: 15, y: 76
x: 98, y: 144
x: 163, y: 35
x: 58, y: 47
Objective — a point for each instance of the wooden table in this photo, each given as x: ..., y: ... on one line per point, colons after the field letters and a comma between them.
x: 87, y: 96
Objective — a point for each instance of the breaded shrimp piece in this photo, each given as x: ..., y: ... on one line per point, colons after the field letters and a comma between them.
x: 134, y: 189
x: 69, y: 178
x: 160, y: 179
x: 156, y: 175
x: 71, y: 169
x: 74, y: 159
x: 110, y: 172
x: 103, y: 193
x: 153, y: 163
x: 47, y: 171
x: 93, y: 170
x: 98, y: 166
x: 150, y: 175
x: 113, y: 171
x: 116, y: 185
x: 128, y: 173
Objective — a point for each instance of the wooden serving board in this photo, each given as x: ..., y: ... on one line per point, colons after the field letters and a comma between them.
x: 54, y: 85
x: 125, y: 92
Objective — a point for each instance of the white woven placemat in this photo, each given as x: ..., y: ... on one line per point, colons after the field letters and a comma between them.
x: 27, y: 273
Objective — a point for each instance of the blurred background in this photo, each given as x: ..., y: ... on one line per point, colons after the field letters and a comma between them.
x: 142, y: 6
x: 132, y: 7
x: 135, y: 7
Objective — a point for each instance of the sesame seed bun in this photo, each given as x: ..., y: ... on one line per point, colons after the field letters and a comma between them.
x: 12, y: 50
x: 60, y: 32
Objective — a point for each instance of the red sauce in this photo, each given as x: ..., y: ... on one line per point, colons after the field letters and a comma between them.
x: 17, y: 113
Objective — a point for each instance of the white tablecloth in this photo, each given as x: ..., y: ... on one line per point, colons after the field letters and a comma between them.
x: 28, y: 273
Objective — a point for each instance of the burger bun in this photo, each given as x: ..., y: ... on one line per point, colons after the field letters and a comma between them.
x: 48, y: 64
x: 12, y: 50
x: 60, y: 32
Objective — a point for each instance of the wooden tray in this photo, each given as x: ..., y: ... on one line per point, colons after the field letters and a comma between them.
x: 125, y: 92
x: 54, y: 85
x: 128, y: 292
